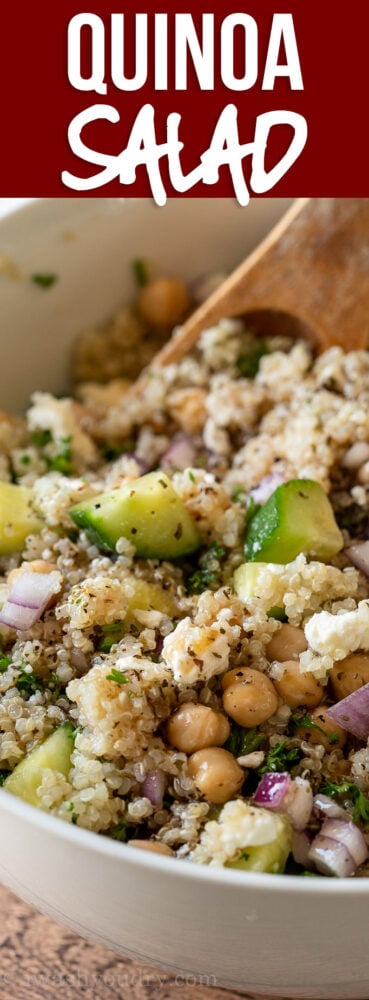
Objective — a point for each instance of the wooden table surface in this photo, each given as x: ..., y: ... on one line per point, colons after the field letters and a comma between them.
x: 40, y: 960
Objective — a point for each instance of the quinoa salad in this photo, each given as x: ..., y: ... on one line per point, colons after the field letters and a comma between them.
x: 184, y: 596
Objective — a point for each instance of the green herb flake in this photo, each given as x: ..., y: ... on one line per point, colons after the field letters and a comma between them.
x: 44, y: 280
x: 62, y: 461
x: 41, y: 437
x: 112, y: 450
x: 3, y: 776
x: 5, y: 662
x: 206, y: 575
x: 119, y: 831
x: 115, y: 675
x: 278, y: 613
x: 57, y: 685
x: 27, y: 682
x: 248, y: 364
x: 243, y: 741
x: 300, y: 719
x: 238, y: 495
x: 140, y: 269
x: 191, y: 476
x: 25, y: 459
x: 110, y: 634
x: 348, y: 788
x: 280, y: 759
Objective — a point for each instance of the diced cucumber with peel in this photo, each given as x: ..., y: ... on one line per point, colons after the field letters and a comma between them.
x: 147, y: 511
x: 247, y: 583
x: 147, y: 596
x: 246, y: 579
x: 18, y: 517
x: 54, y: 754
x: 270, y: 857
x: 298, y: 517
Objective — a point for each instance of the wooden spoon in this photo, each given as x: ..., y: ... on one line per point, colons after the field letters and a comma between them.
x: 308, y: 278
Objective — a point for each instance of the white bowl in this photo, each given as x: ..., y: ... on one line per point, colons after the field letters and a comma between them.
x: 254, y: 933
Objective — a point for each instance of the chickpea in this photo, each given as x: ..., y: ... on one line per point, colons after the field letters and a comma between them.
x: 297, y: 688
x: 36, y: 566
x: 216, y: 774
x: 194, y: 727
x: 155, y: 846
x: 250, y: 698
x: 349, y: 675
x: 287, y: 643
x: 163, y: 301
x: 234, y: 676
x: 333, y: 736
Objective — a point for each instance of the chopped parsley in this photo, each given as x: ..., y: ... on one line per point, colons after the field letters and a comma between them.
x: 251, y: 508
x: 115, y: 675
x: 353, y: 792
x: 41, y: 437
x: 119, y: 831
x: 243, y: 741
x: 112, y: 450
x: 3, y: 776
x: 141, y: 271
x: 5, y: 662
x: 239, y: 494
x: 27, y: 682
x: 280, y: 759
x: 57, y: 685
x: 248, y: 364
x: 207, y: 573
x: 62, y: 462
x: 278, y: 613
x: 300, y: 719
x: 110, y: 634
x: 44, y: 280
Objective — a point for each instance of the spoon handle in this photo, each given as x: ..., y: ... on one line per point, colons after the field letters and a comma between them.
x: 312, y: 268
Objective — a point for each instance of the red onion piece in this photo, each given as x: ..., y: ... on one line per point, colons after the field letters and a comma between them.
x: 301, y: 843
x: 298, y: 803
x: 352, y: 713
x: 348, y: 834
x: 180, y: 455
x: 339, y: 847
x: 358, y: 554
x: 143, y: 466
x: 28, y: 598
x: 266, y: 487
x: 323, y: 805
x: 331, y: 858
x: 295, y: 798
x: 271, y: 789
x: 153, y: 787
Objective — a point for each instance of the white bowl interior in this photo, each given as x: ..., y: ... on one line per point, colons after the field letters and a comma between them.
x: 90, y: 245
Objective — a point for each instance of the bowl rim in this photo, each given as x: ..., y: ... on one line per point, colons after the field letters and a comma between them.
x: 96, y: 843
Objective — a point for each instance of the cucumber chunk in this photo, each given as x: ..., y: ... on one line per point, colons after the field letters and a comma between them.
x: 298, y: 517
x: 147, y: 511
x: 270, y: 857
x: 147, y: 596
x: 246, y: 584
x: 54, y: 753
x: 17, y: 517
x: 246, y: 579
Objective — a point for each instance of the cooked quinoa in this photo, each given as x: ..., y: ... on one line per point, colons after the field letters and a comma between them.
x: 128, y: 644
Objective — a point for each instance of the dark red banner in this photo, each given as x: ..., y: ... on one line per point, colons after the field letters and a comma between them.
x: 267, y: 100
